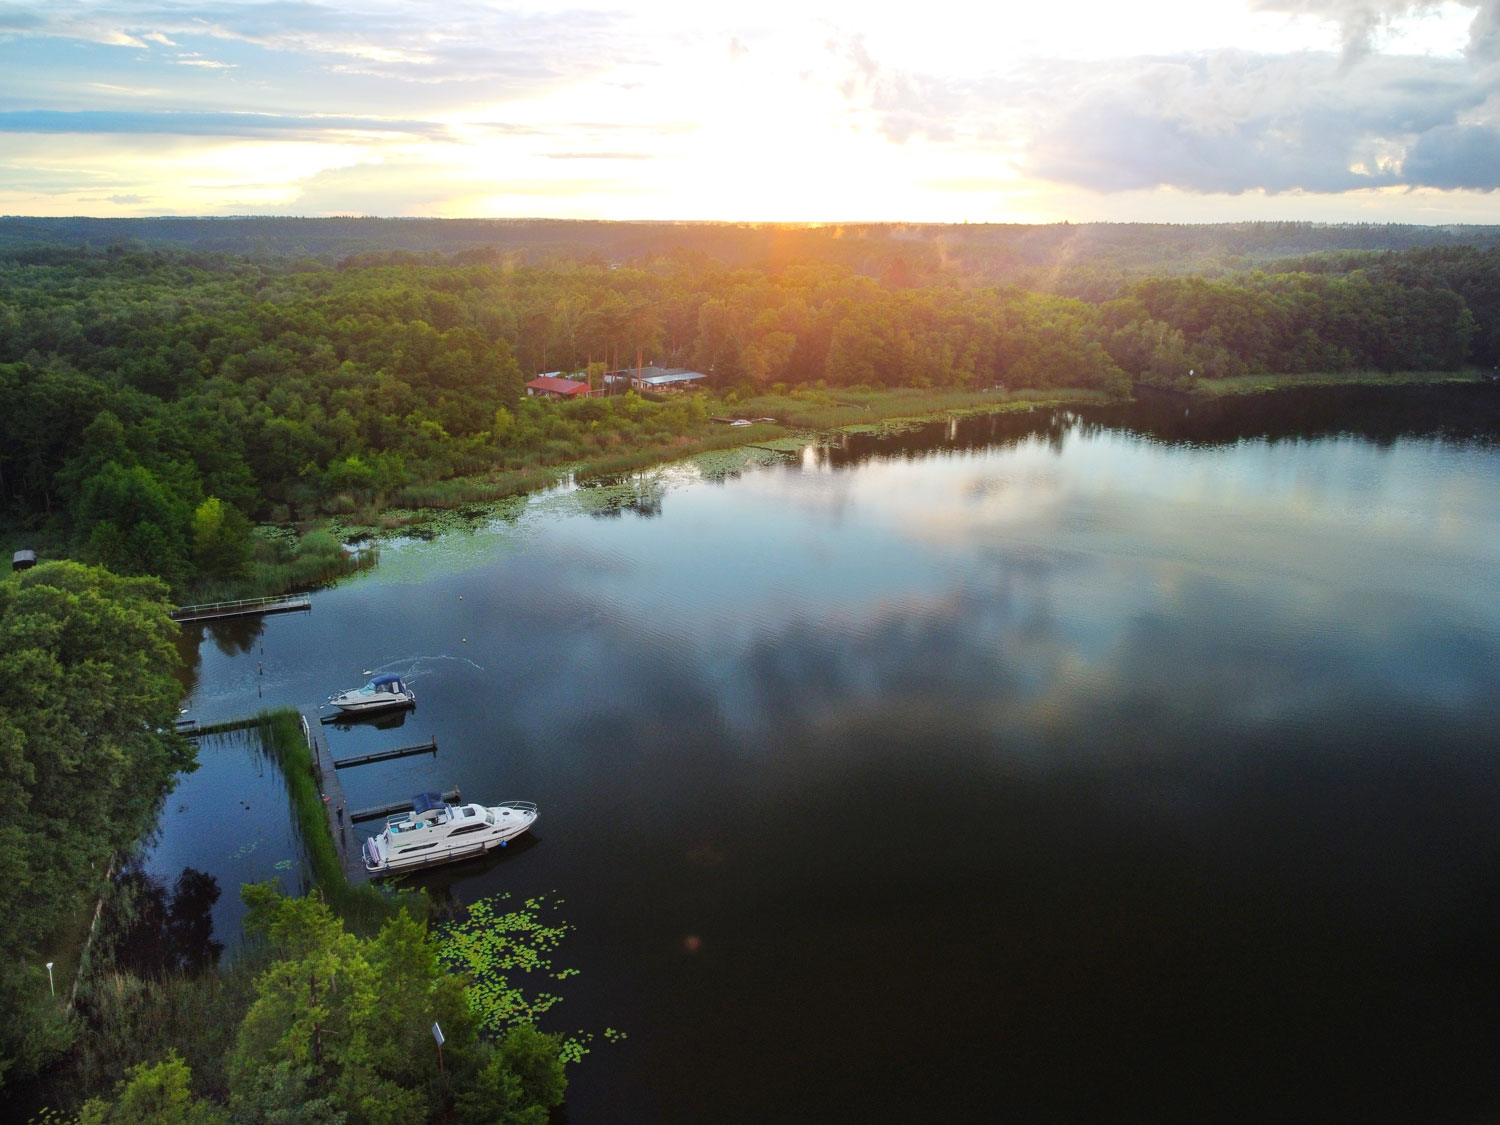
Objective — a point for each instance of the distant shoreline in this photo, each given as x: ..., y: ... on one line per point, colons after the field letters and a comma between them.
x: 1263, y: 384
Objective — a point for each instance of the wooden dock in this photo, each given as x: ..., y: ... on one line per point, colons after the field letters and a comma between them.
x: 340, y: 824
x: 245, y: 607
x: 450, y: 796
x: 428, y: 747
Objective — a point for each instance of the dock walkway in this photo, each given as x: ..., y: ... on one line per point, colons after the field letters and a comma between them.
x: 245, y: 607
x: 340, y: 825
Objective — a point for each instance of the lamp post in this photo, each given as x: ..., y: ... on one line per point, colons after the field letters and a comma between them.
x: 437, y: 1033
x: 50, y: 985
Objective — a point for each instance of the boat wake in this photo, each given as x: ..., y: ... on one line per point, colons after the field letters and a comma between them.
x: 414, y: 667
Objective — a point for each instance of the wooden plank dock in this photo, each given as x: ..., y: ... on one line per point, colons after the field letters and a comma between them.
x: 245, y: 607
x: 428, y: 747
x: 340, y: 824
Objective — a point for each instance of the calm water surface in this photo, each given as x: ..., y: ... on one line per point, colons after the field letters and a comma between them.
x: 1071, y: 766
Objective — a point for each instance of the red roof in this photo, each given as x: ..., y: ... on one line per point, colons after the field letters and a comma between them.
x: 549, y: 384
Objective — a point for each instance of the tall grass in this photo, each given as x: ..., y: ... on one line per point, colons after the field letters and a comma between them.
x: 831, y: 409
x: 317, y: 559
x: 459, y: 491
x: 365, y: 907
x: 1257, y: 384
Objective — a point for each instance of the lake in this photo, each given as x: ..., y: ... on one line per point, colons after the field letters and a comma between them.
x: 1132, y: 761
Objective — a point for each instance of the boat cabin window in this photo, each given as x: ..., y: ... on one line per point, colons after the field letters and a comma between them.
x: 468, y: 812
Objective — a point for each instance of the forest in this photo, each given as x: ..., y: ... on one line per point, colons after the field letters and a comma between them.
x: 160, y: 400
x: 166, y: 394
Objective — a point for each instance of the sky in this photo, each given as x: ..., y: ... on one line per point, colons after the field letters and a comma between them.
x: 778, y: 110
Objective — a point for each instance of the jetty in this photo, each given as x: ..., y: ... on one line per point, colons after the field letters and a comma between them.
x: 245, y: 607
x: 450, y: 796
x: 428, y: 747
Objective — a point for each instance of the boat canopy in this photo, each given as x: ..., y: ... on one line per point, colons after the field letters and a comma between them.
x: 426, y: 802
x: 388, y: 678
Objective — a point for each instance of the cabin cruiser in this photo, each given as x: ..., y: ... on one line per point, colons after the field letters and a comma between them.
x: 436, y: 832
x: 382, y: 691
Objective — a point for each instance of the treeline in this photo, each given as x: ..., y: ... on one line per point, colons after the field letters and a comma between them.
x: 87, y: 749
x: 157, y: 401
x: 1037, y: 256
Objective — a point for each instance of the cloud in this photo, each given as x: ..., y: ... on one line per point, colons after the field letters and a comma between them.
x: 202, y: 124
x: 1362, y: 23
x: 903, y: 104
x: 601, y: 156
x: 1455, y: 156
x: 1231, y: 122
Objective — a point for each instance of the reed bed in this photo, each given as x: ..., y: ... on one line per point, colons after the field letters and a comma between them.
x: 365, y: 907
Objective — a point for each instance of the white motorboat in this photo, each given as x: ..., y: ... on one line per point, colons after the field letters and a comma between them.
x: 436, y: 832
x: 381, y: 692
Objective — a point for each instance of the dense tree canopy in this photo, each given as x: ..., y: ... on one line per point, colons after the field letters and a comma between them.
x: 87, y: 748
x: 158, y: 399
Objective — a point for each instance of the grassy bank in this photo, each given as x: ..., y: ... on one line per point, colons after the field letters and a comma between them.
x: 833, y: 410
x: 1262, y: 384
x: 773, y: 417
x: 363, y: 907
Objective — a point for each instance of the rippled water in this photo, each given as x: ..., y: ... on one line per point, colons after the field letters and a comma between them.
x: 1076, y: 765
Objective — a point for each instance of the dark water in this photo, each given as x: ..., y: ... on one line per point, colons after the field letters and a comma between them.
x: 1079, y: 766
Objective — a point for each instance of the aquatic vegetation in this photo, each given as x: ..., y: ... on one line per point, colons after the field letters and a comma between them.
x: 492, y: 944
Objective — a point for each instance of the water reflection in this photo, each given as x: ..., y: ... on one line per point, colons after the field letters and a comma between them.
x: 1152, y: 744
x: 167, y: 928
x: 379, y: 720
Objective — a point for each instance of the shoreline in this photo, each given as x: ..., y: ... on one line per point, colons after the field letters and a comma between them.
x: 1266, y: 384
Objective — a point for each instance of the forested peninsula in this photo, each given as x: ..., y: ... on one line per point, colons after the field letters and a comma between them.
x: 188, y: 401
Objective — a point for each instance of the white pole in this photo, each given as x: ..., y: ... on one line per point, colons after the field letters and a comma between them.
x: 50, y: 985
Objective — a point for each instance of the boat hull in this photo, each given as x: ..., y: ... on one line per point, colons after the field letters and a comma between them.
x: 379, y: 860
x: 355, y: 707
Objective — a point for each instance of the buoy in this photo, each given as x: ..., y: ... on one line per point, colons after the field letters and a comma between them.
x: 504, y: 842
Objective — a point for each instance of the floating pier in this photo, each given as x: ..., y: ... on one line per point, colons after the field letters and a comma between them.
x: 428, y: 747
x: 245, y: 607
x: 449, y: 796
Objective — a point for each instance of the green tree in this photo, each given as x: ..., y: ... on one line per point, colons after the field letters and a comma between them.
x: 519, y: 1081
x: 135, y: 524
x: 87, y: 748
x: 154, y: 1094
x: 350, y: 1018
x: 221, y: 540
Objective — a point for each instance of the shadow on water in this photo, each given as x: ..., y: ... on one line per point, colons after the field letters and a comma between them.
x: 379, y: 720
x: 1457, y: 413
x: 161, y: 929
